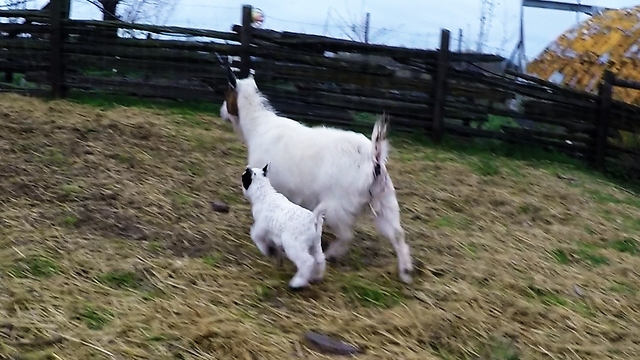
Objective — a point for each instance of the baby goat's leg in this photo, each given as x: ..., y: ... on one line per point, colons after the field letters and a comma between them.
x: 259, y: 236
x: 300, y: 256
x: 320, y: 262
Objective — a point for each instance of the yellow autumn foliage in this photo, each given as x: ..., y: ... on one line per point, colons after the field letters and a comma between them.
x: 579, y: 57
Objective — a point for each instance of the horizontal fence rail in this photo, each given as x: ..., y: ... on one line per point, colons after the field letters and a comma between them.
x: 318, y: 79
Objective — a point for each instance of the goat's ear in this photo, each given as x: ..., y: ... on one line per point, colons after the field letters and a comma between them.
x: 246, y: 178
x: 231, y: 77
x: 265, y: 169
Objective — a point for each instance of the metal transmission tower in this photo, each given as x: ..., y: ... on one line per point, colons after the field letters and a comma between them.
x: 518, y: 55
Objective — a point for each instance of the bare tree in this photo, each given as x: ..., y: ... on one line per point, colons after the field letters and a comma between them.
x: 356, y: 27
x: 154, y: 12
x: 486, y: 17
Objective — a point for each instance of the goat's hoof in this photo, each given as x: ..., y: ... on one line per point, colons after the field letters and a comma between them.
x: 405, y: 276
x: 297, y: 285
x: 297, y: 288
x: 316, y: 280
x: 334, y: 258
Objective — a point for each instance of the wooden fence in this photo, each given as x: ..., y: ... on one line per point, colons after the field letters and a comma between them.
x: 321, y: 80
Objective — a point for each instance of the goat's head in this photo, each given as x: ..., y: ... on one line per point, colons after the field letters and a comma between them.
x: 253, y: 176
x: 229, y: 108
x: 230, y: 103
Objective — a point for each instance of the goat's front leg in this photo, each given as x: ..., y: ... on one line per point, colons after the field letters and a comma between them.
x: 259, y: 236
x: 344, y: 237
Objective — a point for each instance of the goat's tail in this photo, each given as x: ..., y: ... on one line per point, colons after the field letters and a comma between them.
x: 380, y: 143
x: 381, y: 180
x: 318, y: 215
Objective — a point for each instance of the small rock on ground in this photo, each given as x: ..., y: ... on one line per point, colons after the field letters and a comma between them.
x: 328, y: 345
x: 219, y: 206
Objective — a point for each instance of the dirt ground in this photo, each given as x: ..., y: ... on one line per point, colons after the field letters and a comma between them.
x: 109, y: 249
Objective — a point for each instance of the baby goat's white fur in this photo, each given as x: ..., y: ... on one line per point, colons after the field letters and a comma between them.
x: 313, y: 165
x: 280, y: 225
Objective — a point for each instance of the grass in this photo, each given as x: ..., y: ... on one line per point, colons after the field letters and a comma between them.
x: 107, y: 237
x: 34, y: 266
x: 95, y: 317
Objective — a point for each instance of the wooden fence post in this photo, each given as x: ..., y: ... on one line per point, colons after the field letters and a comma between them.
x: 59, y: 12
x: 245, y: 39
x: 605, y: 93
x: 439, y: 86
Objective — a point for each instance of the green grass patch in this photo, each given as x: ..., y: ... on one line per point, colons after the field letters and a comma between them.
x: 484, y: 167
x: 528, y: 208
x: 453, y: 221
x: 364, y: 118
x: 182, y: 199
x: 630, y: 224
x: 69, y: 220
x: 499, y: 348
x: 212, y: 259
x: 120, y: 279
x: 628, y: 246
x: 370, y: 294
x: 264, y: 292
x: 495, y: 123
x: 470, y: 248
x: 71, y: 189
x: 54, y: 157
x: 586, y: 253
x: 561, y: 256
x: 104, y: 101
x: 622, y: 287
x: 604, y: 198
x: 192, y: 121
x: 125, y: 159
x: 582, y: 308
x: 155, y: 246
x: 589, y: 254
x: 195, y: 169
x: 95, y: 317
x: 546, y: 297
x: 34, y: 266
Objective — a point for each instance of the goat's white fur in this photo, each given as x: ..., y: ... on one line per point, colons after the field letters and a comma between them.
x: 285, y: 226
x: 313, y: 165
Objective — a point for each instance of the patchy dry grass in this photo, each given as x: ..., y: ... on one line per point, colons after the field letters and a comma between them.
x: 109, y: 249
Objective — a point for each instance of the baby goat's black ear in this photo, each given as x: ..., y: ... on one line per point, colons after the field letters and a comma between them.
x: 246, y: 179
x: 265, y: 169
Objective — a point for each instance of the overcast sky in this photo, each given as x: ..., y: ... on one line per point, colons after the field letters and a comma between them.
x: 410, y: 23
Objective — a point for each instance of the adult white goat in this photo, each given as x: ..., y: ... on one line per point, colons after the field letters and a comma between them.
x: 309, y: 165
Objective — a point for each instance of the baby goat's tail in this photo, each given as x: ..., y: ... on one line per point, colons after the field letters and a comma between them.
x: 318, y: 215
x: 380, y: 143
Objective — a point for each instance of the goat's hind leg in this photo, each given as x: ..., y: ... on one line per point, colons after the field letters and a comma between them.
x: 305, y: 264
x: 386, y: 212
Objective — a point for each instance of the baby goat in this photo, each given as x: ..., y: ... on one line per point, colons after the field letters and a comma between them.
x: 280, y: 225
